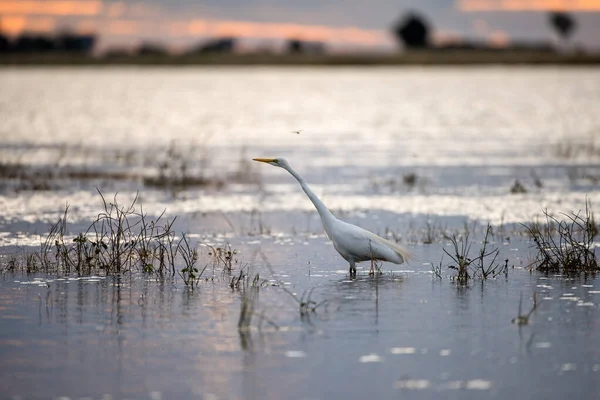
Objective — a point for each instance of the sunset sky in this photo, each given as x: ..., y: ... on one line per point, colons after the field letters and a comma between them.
x: 353, y: 24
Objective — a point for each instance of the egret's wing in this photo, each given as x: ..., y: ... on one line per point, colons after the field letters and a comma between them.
x: 361, y: 245
x: 400, y: 250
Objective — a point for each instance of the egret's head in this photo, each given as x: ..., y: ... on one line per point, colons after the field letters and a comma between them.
x: 277, y: 162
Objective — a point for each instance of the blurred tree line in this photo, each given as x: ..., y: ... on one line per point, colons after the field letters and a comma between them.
x: 411, y: 31
x: 64, y: 42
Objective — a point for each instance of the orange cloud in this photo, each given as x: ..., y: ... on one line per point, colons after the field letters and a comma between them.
x: 15, y: 25
x: 86, y: 26
x: 441, y: 37
x: 498, y: 39
x: 62, y: 7
x: 116, y: 9
x: 123, y: 28
x: 528, y: 5
x: 135, y: 18
x: 244, y: 29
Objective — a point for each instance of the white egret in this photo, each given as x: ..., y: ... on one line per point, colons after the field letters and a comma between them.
x: 354, y: 244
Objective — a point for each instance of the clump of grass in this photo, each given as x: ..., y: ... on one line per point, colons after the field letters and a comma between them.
x: 565, y: 245
x: 249, y: 298
x: 568, y: 148
x: 223, y: 256
x: 518, y: 188
x: 175, y: 172
x: 190, y: 274
x: 433, y: 231
x: 246, y: 171
x: 409, y: 180
x: 121, y: 239
x: 176, y: 168
x: 256, y: 217
x: 483, y: 265
x: 577, y: 174
x: 19, y: 177
x: 247, y: 307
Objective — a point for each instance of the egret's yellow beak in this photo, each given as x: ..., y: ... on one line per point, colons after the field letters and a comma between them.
x: 266, y: 160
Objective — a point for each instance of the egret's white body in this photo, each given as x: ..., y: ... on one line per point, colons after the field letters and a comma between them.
x: 354, y: 244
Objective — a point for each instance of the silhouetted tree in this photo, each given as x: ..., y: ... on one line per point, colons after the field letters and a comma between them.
x: 152, y: 49
x: 4, y: 43
x: 33, y: 43
x: 412, y: 31
x: 563, y: 23
x: 296, y: 46
x: 220, y: 45
x: 74, y: 43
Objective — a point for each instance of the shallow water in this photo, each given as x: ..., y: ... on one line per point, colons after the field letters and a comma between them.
x: 465, y: 134
x: 402, y: 333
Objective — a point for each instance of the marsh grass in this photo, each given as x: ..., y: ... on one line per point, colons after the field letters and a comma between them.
x: 569, y: 149
x: 579, y: 174
x: 224, y: 257
x: 482, y: 265
x: 175, y: 167
x: 581, y: 149
x: 400, y: 183
x: 565, y: 245
x: 121, y: 239
x: 249, y: 289
x: 178, y: 169
x: 518, y: 188
x: 433, y: 232
x: 190, y: 274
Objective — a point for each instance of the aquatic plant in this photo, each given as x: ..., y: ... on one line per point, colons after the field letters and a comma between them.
x: 247, y: 306
x: 173, y: 167
x: 190, y: 274
x: 174, y: 170
x: 565, y: 245
x: 518, y: 188
x: 398, y: 183
x: 483, y: 265
x: 433, y: 231
x: 223, y: 256
x: 120, y: 239
x: 249, y: 289
x: 586, y: 147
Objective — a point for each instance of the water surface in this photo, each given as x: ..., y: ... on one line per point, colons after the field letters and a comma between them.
x: 414, y: 154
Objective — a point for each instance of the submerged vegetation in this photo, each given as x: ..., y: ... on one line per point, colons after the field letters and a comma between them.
x: 173, y: 167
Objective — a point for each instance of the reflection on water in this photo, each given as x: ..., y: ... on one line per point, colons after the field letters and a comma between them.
x: 398, y: 332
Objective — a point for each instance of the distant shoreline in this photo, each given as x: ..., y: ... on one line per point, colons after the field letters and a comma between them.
x: 457, y: 58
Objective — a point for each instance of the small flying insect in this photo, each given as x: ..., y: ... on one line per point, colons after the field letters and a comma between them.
x: 297, y: 132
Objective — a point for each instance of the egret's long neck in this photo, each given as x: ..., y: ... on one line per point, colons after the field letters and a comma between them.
x: 326, y: 216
